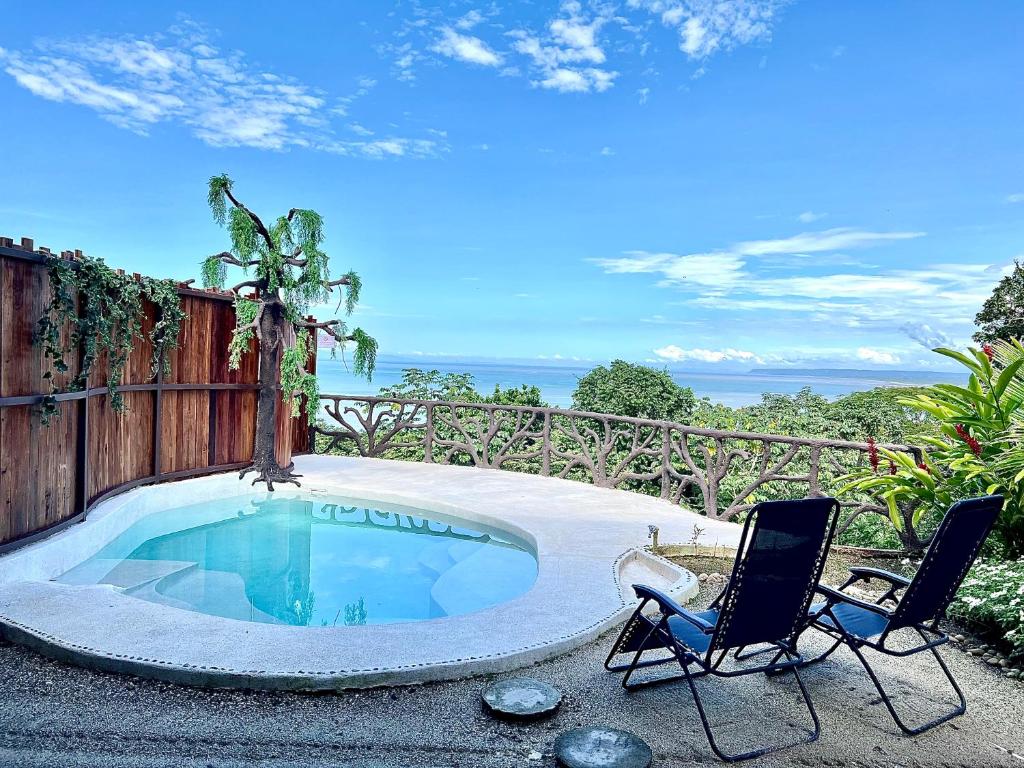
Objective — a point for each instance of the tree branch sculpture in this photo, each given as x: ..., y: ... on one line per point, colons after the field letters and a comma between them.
x: 291, y: 272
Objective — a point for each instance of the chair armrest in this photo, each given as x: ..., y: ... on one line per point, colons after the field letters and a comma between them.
x: 834, y: 596
x: 669, y: 606
x: 864, y: 573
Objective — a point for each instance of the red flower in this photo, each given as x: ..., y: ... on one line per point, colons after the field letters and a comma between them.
x: 973, y: 444
x: 925, y: 467
x: 989, y: 352
x: 873, y: 455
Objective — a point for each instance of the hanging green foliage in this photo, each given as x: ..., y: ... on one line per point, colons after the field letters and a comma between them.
x: 246, y: 317
x: 102, y: 309
x: 169, y: 317
x: 296, y: 380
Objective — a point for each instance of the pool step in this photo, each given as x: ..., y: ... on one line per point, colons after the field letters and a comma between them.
x: 435, y: 558
x: 480, y: 579
x: 219, y: 593
x: 125, y: 574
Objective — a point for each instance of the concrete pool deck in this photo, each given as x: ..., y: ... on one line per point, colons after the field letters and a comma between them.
x: 588, y: 542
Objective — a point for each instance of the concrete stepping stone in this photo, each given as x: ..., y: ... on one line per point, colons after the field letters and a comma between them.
x: 521, y: 698
x: 602, y: 747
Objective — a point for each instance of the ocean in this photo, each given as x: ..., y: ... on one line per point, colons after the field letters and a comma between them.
x: 557, y: 382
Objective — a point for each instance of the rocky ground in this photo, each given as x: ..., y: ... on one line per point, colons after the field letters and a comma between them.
x: 54, y: 715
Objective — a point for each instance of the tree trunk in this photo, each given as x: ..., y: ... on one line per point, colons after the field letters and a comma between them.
x: 264, y: 457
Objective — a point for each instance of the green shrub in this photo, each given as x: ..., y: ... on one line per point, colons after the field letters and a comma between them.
x: 870, y: 531
x: 992, y: 596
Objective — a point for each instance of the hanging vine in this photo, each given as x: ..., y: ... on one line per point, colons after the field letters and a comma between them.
x: 103, y: 310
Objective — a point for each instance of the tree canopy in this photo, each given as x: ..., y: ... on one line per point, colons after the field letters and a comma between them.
x: 627, y: 389
x: 1002, y: 314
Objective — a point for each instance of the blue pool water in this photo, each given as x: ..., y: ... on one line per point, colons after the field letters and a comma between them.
x: 318, y: 561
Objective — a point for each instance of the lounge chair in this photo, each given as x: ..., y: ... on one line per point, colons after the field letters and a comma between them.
x: 780, y: 558
x: 860, y: 624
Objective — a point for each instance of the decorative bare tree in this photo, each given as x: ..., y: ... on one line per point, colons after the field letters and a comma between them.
x: 290, y: 272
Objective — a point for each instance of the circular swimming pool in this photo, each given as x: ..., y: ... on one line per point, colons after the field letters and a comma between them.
x: 313, y: 561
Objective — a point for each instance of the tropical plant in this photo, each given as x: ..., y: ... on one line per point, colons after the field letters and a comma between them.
x: 977, y: 449
x: 291, y: 272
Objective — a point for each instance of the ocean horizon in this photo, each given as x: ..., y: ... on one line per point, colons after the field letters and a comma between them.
x: 557, y: 381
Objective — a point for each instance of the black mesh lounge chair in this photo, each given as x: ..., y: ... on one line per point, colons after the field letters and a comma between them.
x: 859, y: 624
x: 781, y: 553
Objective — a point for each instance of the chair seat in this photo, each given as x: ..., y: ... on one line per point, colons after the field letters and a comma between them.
x: 687, y: 634
x: 853, y: 619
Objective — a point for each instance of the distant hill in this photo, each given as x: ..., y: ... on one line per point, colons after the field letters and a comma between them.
x: 871, y: 374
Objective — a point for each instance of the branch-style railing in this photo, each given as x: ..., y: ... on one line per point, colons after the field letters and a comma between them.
x: 721, y: 473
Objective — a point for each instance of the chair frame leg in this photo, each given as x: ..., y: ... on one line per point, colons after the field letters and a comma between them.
x: 739, y: 756
x: 915, y: 730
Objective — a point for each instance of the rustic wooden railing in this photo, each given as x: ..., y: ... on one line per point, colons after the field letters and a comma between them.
x: 197, y: 420
x: 722, y: 472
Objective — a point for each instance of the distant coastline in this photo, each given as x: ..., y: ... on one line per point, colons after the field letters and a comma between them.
x: 557, y: 379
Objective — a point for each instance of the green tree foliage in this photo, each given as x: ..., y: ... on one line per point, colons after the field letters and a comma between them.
x: 627, y: 389
x: 877, y: 413
x: 1002, y: 314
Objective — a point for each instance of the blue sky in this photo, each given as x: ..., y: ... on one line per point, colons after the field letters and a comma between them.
x: 722, y: 185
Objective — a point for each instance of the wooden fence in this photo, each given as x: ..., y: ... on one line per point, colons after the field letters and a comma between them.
x: 197, y: 420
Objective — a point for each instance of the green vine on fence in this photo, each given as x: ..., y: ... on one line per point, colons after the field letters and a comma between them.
x: 102, y: 309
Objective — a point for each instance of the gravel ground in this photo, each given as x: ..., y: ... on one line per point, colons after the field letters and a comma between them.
x: 55, y: 715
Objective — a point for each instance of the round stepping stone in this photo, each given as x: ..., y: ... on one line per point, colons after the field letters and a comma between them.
x: 521, y: 698
x: 602, y: 747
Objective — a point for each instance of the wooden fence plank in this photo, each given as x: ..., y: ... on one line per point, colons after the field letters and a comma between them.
x: 41, y: 466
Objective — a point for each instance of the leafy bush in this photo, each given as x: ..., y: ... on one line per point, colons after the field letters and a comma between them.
x: 870, y: 531
x: 993, y: 596
x: 625, y: 389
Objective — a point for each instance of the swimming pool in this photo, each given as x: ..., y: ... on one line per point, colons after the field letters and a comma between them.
x: 584, y: 544
x: 312, y: 561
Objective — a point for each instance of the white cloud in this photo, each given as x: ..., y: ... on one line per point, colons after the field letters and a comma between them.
x: 708, y: 27
x: 840, y: 238
x: 570, y: 52
x: 725, y: 269
x: 1016, y: 197
x: 803, y: 280
x: 926, y: 336
x: 809, y: 217
x: 470, y: 20
x: 181, y: 78
x: 568, y: 58
x: 465, y: 48
x: 877, y: 356
x: 678, y: 354
x: 607, y: 151
x: 706, y: 270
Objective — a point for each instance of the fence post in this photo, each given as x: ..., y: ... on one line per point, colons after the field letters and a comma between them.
x: 666, y: 460
x: 814, y: 472
x: 545, y: 469
x: 82, y: 455
x: 211, y: 446
x: 158, y: 418
x: 428, y: 436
